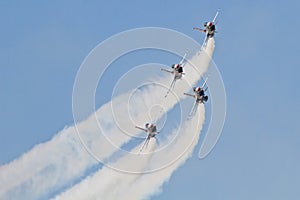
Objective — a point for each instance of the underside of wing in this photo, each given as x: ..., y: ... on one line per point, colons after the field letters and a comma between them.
x: 191, y: 95
x: 199, y: 29
x: 215, y: 18
x: 165, y: 70
x: 141, y: 128
x: 182, y: 60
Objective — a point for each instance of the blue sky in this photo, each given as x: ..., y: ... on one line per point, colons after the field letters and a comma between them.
x: 257, y: 156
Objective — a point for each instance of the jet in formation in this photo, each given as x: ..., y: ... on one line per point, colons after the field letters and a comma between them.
x: 151, y: 131
x: 177, y: 70
x: 199, y: 95
x: 209, y: 29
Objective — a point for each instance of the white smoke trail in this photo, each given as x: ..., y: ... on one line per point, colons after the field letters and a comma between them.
x: 150, y: 184
x: 52, y: 165
x: 113, y: 185
x: 189, y: 127
x: 111, y: 181
x: 46, y: 165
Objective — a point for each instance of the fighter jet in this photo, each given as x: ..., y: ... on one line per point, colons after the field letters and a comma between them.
x: 209, y: 29
x: 199, y: 95
x: 151, y: 130
x: 177, y: 70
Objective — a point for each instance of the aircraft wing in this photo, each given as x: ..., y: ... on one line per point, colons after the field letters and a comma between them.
x: 204, y: 82
x: 204, y: 42
x: 191, y: 95
x: 165, y: 70
x: 141, y: 128
x: 214, y: 20
x: 145, y: 144
x: 183, y: 58
x: 199, y: 29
